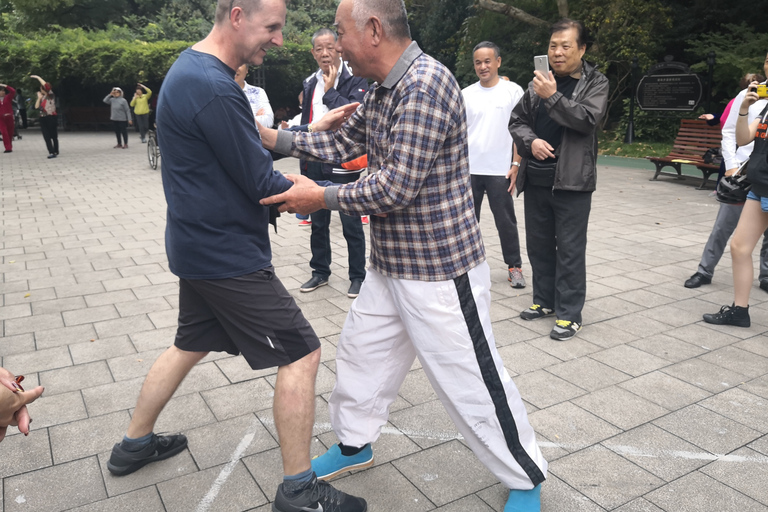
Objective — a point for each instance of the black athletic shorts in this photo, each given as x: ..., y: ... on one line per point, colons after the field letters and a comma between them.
x: 252, y: 314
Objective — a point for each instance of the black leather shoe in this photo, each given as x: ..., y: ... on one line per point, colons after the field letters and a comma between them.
x: 697, y: 280
x: 764, y: 285
x: 354, y: 288
x: 313, y: 284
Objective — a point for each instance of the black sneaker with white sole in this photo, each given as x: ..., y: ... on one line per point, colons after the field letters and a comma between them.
x: 124, y: 462
x: 318, y: 496
x: 536, y: 311
x: 564, y: 330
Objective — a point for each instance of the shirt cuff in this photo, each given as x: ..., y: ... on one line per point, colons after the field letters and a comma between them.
x: 331, y: 196
x: 284, y: 142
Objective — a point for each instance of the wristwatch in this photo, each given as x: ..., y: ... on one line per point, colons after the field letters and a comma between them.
x: 516, y: 163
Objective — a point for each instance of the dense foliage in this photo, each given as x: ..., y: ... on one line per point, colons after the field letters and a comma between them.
x: 87, y: 46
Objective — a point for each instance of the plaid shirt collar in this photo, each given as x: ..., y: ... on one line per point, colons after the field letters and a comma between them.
x: 401, y: 66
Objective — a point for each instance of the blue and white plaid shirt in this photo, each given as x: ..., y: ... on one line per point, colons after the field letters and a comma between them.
x: 413, y: 127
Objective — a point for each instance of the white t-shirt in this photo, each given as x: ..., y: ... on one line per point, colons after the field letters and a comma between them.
x: 488, y: 111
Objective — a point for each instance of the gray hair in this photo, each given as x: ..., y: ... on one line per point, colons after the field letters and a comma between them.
x: 392, y: 14
x: 323, y: 32
x: 224, y: 7
x: 488, y: 44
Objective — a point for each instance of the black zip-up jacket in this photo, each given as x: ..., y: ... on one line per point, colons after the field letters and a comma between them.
x: 349, y: 90
x: 580, y: 116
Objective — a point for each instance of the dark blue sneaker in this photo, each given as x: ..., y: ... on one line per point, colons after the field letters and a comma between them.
x: 332, y: 463
x: 124, y: 462
x: 320, y: 497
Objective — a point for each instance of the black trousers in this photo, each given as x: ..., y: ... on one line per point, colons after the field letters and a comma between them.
x: 121, y: 128
x: 49, y: 126
x: 142, y: 125
x: 503, y: 209
x: 556, y: 236
x: 320, y: 238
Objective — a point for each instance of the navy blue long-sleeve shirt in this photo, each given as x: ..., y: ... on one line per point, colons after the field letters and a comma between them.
x: 214, y: 171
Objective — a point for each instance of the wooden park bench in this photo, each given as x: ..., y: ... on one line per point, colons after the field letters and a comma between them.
x: 693, y: 139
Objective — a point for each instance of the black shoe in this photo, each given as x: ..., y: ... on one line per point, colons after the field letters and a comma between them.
x: 124, y: 462
x: 51, y: 156
x: 536, y: 311
x: 697, y: 280
x: 730, y: 315
x: 313, y: 284
x: 764, y: 285
x: 354, y: 288
x: 320, y: 496
x: 8, y: 151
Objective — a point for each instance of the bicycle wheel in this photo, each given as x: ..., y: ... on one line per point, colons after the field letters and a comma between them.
x: 152, y: 151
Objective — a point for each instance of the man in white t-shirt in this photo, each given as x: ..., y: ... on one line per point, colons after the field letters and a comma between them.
x: 489, y: 104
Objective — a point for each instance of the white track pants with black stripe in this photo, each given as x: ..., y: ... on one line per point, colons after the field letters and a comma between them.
x: 447, y: 325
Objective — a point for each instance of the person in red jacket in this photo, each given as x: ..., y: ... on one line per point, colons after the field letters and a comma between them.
x: 7, y: 94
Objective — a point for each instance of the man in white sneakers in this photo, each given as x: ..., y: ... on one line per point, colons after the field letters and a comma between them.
x: 489, y: 103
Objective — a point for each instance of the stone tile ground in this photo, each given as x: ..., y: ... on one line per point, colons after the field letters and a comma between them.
x: 647, y: 409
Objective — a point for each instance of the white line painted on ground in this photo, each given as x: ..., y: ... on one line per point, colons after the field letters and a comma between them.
x: 629, y: 451
x: 210, y: 497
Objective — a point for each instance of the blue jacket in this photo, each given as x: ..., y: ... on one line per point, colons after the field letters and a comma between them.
x: 349, y: 90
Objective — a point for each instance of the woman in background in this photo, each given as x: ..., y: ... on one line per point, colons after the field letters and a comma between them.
x: 49, y: 118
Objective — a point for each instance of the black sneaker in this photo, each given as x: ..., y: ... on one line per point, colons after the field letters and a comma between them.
x: 564, y: 330
x: 536, y: 311
x: 313, y: 284
x: 320, y: 496
x: 764, y: 285
x: 730, y: 315
x: 124, y: 462
x: 354, y: 288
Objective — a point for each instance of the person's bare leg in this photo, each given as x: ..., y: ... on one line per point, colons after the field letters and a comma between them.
x: 294, y: 411
x: 752, y: 224
x: 161, y: 382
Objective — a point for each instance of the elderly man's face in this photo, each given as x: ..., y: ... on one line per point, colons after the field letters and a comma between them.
x: 324, y: 52
x: 350, y: 40
x: 564, y: 54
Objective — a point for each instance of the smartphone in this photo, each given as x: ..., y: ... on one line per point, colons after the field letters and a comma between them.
x: 762, y: 91
x: 541, y: 63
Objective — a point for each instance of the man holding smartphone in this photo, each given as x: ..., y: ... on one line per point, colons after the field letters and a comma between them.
x: 555, y: 130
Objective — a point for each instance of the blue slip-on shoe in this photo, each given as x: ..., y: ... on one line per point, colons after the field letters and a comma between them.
x: 332, y: 463
x: 524, y: 501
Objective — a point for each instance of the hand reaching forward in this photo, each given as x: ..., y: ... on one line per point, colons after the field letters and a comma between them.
x: 13, y: 403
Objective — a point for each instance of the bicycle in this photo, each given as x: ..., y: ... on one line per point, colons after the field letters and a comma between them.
x: 153, y: 149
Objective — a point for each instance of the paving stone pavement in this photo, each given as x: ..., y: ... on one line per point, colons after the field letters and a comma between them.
x: 647, y: 409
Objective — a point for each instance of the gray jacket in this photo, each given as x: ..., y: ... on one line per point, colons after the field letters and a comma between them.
x: 580, y: 116
x: 120, y: 111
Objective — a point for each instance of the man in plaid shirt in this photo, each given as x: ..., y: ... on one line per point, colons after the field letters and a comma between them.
x: 427, y: 292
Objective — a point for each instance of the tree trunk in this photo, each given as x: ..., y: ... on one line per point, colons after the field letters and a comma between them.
x: 562, y: 8
x: 514, y: 12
